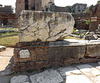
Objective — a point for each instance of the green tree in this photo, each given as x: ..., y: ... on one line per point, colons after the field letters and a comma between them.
x: 69, y: 8
x: 98, y: 2
x: 88, y: 9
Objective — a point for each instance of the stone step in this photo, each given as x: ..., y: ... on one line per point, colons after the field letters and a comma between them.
x: 2, y: 48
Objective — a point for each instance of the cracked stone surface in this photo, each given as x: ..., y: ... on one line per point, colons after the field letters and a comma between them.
x: 20, y: 79
x: 45, y: 26
x: 48, y: 76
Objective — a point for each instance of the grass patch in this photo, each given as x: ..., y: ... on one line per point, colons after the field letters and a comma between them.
x: 9, y: 38
x: 69, y: 37
x: 9, y: 28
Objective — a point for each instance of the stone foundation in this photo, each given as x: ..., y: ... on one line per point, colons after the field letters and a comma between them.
x: 40, y: 55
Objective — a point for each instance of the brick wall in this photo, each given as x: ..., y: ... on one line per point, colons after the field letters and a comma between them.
x: 38, y: 55
x: 95, y: 12
x: 7, y: 22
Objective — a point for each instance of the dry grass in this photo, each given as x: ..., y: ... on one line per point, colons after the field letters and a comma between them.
x: 8, y: 39
x: 69, y: 37
x: 11, y: 38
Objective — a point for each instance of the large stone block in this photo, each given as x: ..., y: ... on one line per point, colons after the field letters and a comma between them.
x: 65, y: 49
x: 48, y: 76
x: 93, y: 50
x: 44, y: 26
x: 67, y: 52
x: 19, y: 79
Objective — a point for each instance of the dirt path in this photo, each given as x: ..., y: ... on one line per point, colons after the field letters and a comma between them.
x: 5, y: 65
x: 7, y: 52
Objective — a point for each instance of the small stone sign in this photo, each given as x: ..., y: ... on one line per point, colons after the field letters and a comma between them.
x: 24, y: 54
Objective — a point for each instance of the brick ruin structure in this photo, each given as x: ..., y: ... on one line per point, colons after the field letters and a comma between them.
x: 6, y: 16
x: 7, y: 20
x: 80, y: 20
x: 95, y: 18
x: 38, y: 5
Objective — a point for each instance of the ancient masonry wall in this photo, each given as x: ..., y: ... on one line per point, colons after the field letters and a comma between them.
x: 42, y: 44
x: 40, y: 55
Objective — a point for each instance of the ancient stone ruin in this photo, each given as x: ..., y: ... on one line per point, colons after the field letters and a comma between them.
x: 42, y: 45
x: 44, y: 26
x: 37, y: 30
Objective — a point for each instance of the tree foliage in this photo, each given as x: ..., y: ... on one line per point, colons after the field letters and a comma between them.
x: 69, y: 8
x: 88, y: 9
x: 98, y: 2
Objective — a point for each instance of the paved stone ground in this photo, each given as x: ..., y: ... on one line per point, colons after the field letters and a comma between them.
x: 5, y: 65
x: 78, y: 73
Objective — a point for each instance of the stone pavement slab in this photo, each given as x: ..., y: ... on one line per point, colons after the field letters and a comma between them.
x: 5, y: 79
x: 65, y: 71
x: 48, y: 76
x: 90, y: 72
x: 20, y: 79
x: 77, y: 79
x: 89, y: 69
x: 83, y: 73
x: 73, y: 75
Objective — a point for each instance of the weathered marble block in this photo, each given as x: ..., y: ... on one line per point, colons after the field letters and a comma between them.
x: 44, y: 26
